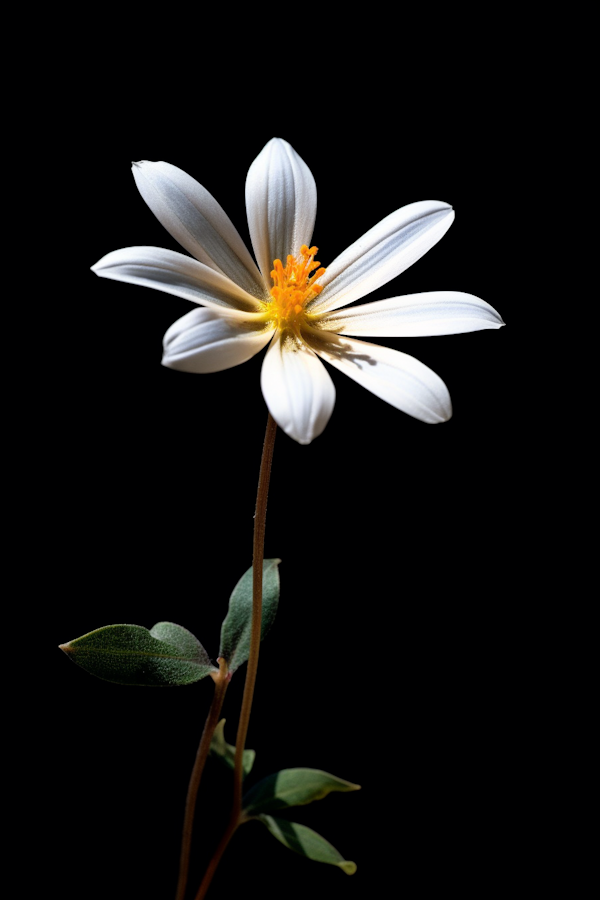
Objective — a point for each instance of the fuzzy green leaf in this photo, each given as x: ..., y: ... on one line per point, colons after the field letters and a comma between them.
x: 130, y: 654
x: 292, y: 787
x: 226, y: 753
x: 235, y: 631
x: 307, y: 842
x: 178, y: 636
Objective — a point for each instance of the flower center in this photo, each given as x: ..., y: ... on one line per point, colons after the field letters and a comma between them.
x: 294, y: 287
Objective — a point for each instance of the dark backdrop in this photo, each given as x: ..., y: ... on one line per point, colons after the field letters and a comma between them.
x: 392, y: 660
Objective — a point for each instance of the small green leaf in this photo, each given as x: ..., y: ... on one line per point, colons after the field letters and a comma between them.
x: 235, y: 631
x: 307, y: 842
x: 292, y: 787
x: 130, y: 654
x: 226, y: 753
x: 188, y: 644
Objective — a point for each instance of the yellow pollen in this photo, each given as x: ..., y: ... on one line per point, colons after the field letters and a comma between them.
x: 294, y: 286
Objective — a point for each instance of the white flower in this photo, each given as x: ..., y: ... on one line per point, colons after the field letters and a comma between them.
x: 295, y: 305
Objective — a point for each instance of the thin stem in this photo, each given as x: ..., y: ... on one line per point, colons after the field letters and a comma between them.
x: 260, y: 517
x: 216, y: 859
x: 221, y: 679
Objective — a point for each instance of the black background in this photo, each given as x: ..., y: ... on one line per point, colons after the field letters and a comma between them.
x: 395, y: 655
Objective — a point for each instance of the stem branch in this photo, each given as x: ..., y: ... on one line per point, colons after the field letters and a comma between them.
x: 221, y: 679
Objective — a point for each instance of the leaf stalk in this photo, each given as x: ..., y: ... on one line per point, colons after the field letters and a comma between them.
x: 221, y: 679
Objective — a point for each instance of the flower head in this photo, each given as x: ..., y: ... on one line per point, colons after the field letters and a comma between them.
x: 289, y: 300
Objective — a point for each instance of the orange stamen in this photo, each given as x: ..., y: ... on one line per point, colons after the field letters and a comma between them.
x: 294, y: 286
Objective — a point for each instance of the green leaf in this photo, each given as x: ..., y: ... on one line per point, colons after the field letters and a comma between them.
x: 226, y: 753
x: 235, y: 631
x: 130, y: 654
x: 307, y: 842
x: 292, y: 787
x: 187, y: 643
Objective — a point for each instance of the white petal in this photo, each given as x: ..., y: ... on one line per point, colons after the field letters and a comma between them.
x: 174, y: 273
x: 208, y: 341
x: 197, y: 221
x: 397, y: 378
x: 297, y: 389
x: 281, y: 203
x: 415, y: 315
x: 385, y: 251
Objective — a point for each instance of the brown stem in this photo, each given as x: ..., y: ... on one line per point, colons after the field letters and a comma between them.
x: 216, y: 859
x: 221, y: 679
x: 260, y: 517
